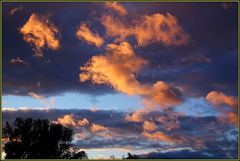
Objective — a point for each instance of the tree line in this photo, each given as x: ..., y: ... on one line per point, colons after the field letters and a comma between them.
x: 40, y: 139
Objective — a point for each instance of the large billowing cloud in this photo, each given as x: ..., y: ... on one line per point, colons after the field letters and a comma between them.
x: 148, y: 29
x: 116, y: 7
x: 39, y: 32
x: 84, y: 33
x: 118, y: 68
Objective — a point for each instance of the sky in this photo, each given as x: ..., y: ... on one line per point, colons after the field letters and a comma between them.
x: 158, y: 80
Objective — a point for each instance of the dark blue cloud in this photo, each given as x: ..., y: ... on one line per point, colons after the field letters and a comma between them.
x: 219, y: 140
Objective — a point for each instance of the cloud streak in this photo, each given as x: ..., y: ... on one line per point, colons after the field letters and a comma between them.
x: 155, y: 28
x: 85, y: 34
x: 115, y: 6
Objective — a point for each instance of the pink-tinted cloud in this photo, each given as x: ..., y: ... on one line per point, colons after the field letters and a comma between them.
x: 83, y: 122
x: 98, y: 128
x: 116, y: 7
x: 85, y: 34
x: 148, y: 29
x: 17, y: 9
x: 149, y: 126
x: 160, y: 136
x: 18, y: 60
x: 219, y: 98
x: 70, y: 120
x: 39, y: 32
x: 35, y: 95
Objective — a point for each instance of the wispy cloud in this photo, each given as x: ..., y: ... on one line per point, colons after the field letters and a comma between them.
x: 148, y: 29
x: 15, y: 10
x: 35, y: 95
x: 117, y: 7
x: 39, y: 32
x: 18, y: 60
x: 85, y: 34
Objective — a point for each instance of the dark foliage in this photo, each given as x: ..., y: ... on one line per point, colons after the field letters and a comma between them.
x: 39, y: 139
x: 131, y: 156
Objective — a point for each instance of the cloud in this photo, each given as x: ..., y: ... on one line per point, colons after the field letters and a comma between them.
x: 66, y: 120
x: 148, y: 29
x: 159, y: 136
x: 83, y: 122
x: 85, y: 34
x: 149, y: 126
x: 98, y: 128
x: 118, y: 67
x: 17, y: 9
x: 70, y: 120
x: 116, y: 7
x: 18, y: 60
x: 233, y: 118
x: 119, y: 133
x: 219, y: 98
x: 35, y: 95
x: 39, y: 32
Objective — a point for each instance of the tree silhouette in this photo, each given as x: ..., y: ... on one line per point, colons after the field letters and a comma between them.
x: 39, y: 139
x: 131, y: 156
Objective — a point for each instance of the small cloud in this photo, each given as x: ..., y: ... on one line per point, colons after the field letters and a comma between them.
x: 116, y: 7
x: 71, y: 120
x: 39, y: 32
x: 159, y: 136
x: 83, y: 122
x: 35, y: 95
x: 17, y: 9
x: 18, y: 60
x: 149, y: 126
x: 219, y: 98
x: 66, y: 120
x: 98, y: 128
x: 85, y: 34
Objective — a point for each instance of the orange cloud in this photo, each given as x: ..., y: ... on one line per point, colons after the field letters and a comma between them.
x: 116, y: 7
x: 218, y: 98
x: 83, y: 122
x: 85, y: 34
x: 164, y: 95
x: 159, y: 136
x: 118, y: 68
x: 149, y: 126
x: 17, y: 60
x: 136, y: 116
x: 98, y: 128
x: 233, y: 118
x: 148, y: 29
x: 35, y: 95
x: 67, y: 120
x: 39, y: 32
